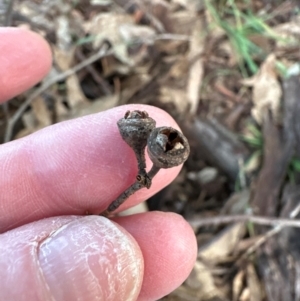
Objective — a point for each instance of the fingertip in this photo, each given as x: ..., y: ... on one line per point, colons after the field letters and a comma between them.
x: 101, y: 258
x: 70, y: 258
x: 25, y: 58
x: 169, y: 248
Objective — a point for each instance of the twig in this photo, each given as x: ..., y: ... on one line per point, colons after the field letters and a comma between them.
x: 270, y: 233
x: 260, y: 220
x: 163, y: 37
x: 9, y: 129
x: 130, y: 191
x: 171, y: 36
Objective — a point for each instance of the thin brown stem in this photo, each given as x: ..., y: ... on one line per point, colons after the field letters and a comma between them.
x: 124, y: 196
x: 140, y: 156
x: 131, y: 190
x: 153, y: 171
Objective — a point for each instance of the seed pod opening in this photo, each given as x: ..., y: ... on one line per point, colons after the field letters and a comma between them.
x: 135, y: 128
x: 167, y: 147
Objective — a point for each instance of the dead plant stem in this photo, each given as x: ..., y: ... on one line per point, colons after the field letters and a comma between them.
x: 260, y: 220
x: 270, y: 233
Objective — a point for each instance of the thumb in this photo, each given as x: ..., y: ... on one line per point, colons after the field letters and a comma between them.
x: 70, y: 258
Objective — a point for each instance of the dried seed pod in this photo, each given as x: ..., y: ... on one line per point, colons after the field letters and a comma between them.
x: 167, y: 147
x: 135, y: 128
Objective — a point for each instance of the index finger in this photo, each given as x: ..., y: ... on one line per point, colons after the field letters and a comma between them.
x: 73, y: 167
x: 25, y: 58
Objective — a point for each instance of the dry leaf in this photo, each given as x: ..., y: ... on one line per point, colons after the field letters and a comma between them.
x: 132, y: 33
x: 175, y: 96
x: 64, y: 60
x: 64, y: 38
x: 253, y: 163
x: 30, y: 125
x: 223, y: 244
x: 253, y: 284
x: 106, y: 27
x: 237, y: 285
x: 245, y: 296
x: 75, y: 94
x: 266, y: 90
x: 201, y: 278
x: 41, y: 112
x: 180, y: 66
x: 199, y: 285
x: 182, y: 22
x: 204, y: 176
x: 196, y: 69
x: 230, y: 52
x: 191, y: 5
x: 60, y: 109
x: 101, y: 2
x: 237, y: 203
x: 35, y: 119
x: 288, y: 34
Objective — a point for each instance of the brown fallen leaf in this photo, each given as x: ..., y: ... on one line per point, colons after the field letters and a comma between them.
x: 288, y: 33
x: 266, y: 90
x: 175, y: 96
x: 237, y: 285
x: 106, y: 27
x: 223, y: 244
x: 35, y: 119
x: 253, y: 284
x: 199, y: 286
x: 64, y: 60
x: 245, y: 296
x: 197, y: 68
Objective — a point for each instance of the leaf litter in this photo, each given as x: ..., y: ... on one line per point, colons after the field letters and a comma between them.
x: 226, y: 71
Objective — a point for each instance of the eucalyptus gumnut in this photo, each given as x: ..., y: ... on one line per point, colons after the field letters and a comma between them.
x: 135, y: 128
x: 167, y: 147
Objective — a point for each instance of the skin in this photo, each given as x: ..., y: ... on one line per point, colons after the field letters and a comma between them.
x: 49, y: 250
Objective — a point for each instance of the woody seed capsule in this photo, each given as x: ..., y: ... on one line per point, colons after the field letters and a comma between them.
x: 135, y: 129
x: 167, y: 147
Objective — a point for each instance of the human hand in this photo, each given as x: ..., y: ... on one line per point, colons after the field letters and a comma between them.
x: 49, y: 177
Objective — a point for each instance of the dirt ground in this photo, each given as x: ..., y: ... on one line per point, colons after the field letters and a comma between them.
x: 228, y: 73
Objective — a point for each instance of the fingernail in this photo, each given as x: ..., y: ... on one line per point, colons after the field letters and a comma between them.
x: 91, y: 259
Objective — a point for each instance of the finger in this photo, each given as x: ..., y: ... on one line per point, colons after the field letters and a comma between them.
x: 70, y: 258
x: 169, y: 249
x: 25, y: 58
x: 72, y: 167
